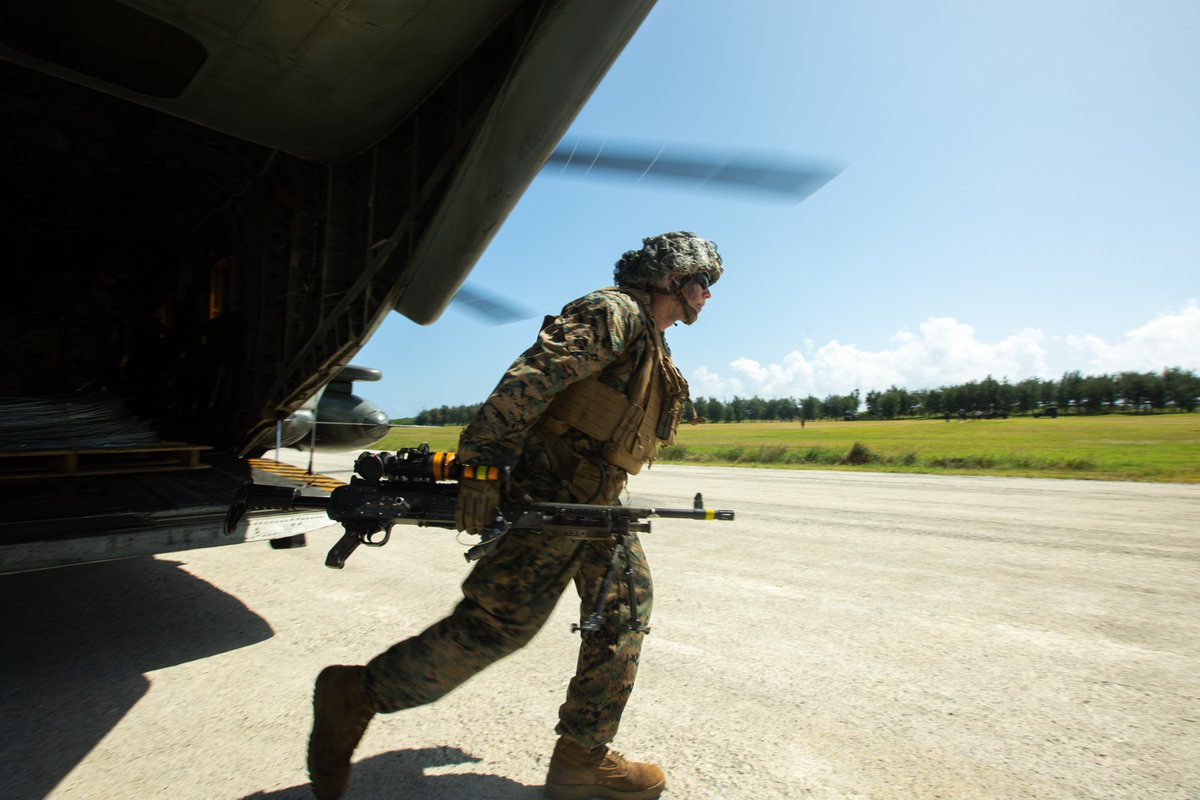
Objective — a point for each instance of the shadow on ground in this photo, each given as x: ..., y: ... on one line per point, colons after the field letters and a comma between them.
x: 78, y: 642
x: 402, y: 773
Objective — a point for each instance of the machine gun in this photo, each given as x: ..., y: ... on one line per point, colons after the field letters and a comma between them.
x: 415, y: 486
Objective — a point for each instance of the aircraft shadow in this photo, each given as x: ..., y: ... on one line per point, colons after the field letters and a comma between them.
x: 78, y: 642
x: 400, y: 773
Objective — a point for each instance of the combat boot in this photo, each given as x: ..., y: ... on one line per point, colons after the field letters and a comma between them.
x: 577, y: 773
x: 341, y: 713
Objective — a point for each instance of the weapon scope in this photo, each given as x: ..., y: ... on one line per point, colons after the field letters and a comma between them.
x: 416, y: 464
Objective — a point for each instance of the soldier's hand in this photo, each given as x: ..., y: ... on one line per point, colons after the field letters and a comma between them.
x: 477, y: 503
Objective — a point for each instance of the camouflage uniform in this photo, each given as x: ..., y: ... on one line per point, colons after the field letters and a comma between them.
x: 509, y: 594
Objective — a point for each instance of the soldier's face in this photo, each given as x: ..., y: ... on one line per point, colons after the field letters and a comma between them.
x: 682, y: 303
x: 696, y: 293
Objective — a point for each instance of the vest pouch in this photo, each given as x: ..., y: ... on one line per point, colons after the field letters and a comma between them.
x: 588, y: 406
x: 676, y: 389
x: 584, y: 479
x: 591, y: 484
x: 668, y: 420
x: 623, y: 449
x: 643, y: 447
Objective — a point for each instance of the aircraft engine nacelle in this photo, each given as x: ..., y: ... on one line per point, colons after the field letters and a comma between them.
x: 343, y: 420
x: 299, y: 424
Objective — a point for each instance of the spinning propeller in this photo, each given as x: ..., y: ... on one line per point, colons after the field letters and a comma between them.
x: 765, y: 177
x: 760, y: 176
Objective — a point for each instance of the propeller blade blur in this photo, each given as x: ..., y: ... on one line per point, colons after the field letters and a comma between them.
x: 764, y: 175
x: 488, y: 307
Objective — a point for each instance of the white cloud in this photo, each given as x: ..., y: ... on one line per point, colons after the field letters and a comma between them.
x: 944, y: 351
x: 1168, y: 340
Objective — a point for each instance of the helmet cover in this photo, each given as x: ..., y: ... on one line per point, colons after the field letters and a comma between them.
x: 677, y: 252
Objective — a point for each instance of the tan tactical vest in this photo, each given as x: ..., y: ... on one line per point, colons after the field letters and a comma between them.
x: 629, y: 425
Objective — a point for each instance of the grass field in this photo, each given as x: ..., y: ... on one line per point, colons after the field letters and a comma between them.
x: 1163, y: 447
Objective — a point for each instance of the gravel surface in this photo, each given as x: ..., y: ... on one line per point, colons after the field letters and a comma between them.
x: 851, y: 635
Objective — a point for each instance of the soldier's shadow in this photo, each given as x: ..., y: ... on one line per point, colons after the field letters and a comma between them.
x: 402, y: 773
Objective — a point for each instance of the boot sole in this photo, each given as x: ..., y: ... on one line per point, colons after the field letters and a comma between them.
x: 559, y: 791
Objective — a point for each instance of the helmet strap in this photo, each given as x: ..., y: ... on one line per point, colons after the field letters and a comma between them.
x: 689, y: 314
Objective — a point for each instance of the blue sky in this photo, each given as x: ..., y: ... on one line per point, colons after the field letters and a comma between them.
x: 1021, y: 196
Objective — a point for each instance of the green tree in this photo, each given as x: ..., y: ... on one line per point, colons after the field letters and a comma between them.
x: 1158, y: 391
x: 935, y: 401
x: 1070, y: 390
x: 1049, y: 393
x: 873, y: 399
x: 1026, y: 395
x: 1134, y: 389
x: 836, y: 406
x: 989, y: 397
x: 736, y: 410
x: 1181, y: 387
x: 810, y: 407
x: 889, y: 403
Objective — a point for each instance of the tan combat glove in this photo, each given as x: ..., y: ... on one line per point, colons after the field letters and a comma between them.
x: 477, y: 502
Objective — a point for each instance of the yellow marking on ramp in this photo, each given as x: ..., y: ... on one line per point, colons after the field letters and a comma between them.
x: 298, y: 474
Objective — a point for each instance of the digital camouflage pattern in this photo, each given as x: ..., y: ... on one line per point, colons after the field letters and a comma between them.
x: 509, y: 594
x: 506, y: 599
x: 605, y: 333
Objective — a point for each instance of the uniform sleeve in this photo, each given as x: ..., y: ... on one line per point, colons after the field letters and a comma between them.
x: 589, y: 335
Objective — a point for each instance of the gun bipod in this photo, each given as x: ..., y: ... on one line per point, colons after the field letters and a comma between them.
x: 619, y: 560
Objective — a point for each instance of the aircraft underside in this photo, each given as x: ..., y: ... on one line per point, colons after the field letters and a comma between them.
x: 217, y: 281
x: 212, y: 247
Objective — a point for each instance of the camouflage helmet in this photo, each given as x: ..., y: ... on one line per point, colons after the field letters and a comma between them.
x: 668, y: 254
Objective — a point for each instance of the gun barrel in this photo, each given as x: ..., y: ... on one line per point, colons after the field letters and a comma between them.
x: 566, y: 512
x: 691, y: 513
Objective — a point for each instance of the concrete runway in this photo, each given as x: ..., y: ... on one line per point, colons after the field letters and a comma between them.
x: 851, y: 635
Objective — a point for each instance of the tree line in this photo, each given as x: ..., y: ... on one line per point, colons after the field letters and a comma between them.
x: 1173, y: 389
x: 443, y: 415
